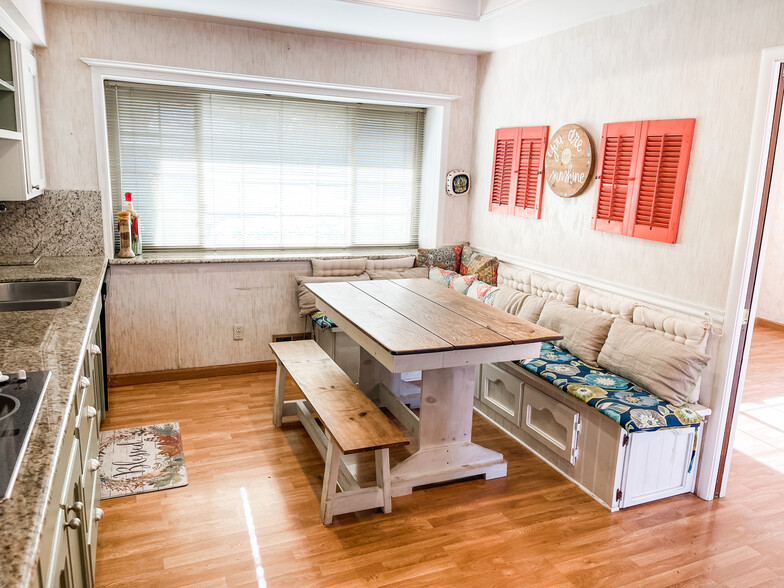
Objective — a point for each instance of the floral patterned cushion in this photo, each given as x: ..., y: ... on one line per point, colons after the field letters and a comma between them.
x: 482, y: 292
x: 447, y: 257
x: 632, y: 407
x: 442, y: 276
x: 484, y: 266
x: 462, y: 283
x: 322, y: 320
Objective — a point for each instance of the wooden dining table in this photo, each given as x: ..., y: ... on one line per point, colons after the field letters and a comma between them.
x: 412, y: 325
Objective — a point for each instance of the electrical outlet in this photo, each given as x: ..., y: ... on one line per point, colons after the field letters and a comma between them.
x: 239, y: 332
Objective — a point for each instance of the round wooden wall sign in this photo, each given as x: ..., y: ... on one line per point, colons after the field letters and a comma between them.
x: 569, y: 161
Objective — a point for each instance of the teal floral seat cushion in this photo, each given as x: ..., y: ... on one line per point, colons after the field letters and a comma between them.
x: 632, y: 407
x: 322, y: 320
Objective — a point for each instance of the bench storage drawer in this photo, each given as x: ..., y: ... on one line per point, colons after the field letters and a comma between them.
x: 551, y: 422
x: 501, y: 391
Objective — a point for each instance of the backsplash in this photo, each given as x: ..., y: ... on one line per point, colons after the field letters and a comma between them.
x: 58, y: 222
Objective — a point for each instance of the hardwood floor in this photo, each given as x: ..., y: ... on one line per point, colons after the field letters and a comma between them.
x: 250, y: 514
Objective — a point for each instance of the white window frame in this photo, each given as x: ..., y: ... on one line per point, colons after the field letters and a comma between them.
x: 436, y: 139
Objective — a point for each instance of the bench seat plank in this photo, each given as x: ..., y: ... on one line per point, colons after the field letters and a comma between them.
x: 353, y: 420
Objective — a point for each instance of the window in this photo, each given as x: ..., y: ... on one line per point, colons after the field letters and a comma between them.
x: 642, y: 175
x: 518, y: 171
x: 221, y: 170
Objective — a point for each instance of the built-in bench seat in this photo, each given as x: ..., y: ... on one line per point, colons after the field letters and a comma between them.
x: 352, y: 424
x: 629, y: 405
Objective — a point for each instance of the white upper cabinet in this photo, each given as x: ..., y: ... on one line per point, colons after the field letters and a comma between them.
x: 21, y: 146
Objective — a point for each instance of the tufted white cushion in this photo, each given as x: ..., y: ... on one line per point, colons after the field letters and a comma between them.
x: 514, y: 277
x: 396, y: 264
x: 602, y: 303
x: 553, y: 289
x: 679, y: 330
x: 338, y: 267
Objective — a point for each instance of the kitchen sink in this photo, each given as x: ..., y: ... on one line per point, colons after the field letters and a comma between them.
x: 37, y: 295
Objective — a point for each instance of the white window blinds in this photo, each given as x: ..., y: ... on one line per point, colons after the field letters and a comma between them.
x: 217, y: 170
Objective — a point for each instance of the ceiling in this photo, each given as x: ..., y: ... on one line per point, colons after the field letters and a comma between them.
x: 472, y: 26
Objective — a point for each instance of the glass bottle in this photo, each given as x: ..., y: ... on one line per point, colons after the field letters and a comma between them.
x: 136, y: 238
x: 124, y: 228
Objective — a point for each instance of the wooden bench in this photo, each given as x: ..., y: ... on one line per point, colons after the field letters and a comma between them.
x: 352, y: 423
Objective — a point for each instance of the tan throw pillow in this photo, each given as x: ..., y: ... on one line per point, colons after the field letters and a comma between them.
x: 306, y: 299
x: 338, y: 267
x: 397, y: 263
x: 531, y: 308
x: 509, y: 300
x: 584, y: 331
x: 661, y: 366
x: 412, y: 272
x: 485, y: 267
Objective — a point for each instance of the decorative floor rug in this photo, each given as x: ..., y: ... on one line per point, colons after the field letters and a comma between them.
x: 141, y: 459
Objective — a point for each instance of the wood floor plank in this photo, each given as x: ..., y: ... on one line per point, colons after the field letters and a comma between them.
x: 532, y: 528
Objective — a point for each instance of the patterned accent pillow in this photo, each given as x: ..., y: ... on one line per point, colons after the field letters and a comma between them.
x: 442, y: 276
x: 482, y: 292
x: 447, y: 257
x: 485, y: 267
x: 465, y: 258
x: 461, y: 284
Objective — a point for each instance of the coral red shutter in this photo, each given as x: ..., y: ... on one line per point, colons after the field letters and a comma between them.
x: 661, y: 179
x: 617, y: 162
x: 527, y: 193
x: 503, y: 165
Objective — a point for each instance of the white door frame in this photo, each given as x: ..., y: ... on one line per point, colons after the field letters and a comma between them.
x: 748, y: 222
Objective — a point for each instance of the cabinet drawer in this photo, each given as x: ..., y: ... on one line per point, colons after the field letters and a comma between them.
x: 551, y: 423
x: 501, y: 391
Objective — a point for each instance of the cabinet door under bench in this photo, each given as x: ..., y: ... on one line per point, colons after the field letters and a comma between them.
x: 616, y: 468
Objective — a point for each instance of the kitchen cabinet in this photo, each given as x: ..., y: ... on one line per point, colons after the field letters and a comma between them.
x: 70, y: 536
x: 21, y: 143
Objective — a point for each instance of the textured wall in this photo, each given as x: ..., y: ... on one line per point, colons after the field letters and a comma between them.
x: 163, y: 317
x: 674, y: 59
x: 771, y: 295
x: 73, y: 33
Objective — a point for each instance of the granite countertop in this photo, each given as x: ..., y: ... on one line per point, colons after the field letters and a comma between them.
x: 53, y: 340
x: 191, y: 256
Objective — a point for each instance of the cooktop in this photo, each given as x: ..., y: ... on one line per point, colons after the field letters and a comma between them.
x: 20, y: 398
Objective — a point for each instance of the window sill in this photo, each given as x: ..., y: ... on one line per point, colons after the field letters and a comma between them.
x: 175, y: 257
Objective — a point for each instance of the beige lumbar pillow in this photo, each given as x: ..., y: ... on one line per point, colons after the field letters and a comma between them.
x: 509, y: 300
x: 338, y: 267
x: 531, y: 308
x: 306, y: 298
x: 663, y: 367
x: 584, y: 332
x: 388, y: 274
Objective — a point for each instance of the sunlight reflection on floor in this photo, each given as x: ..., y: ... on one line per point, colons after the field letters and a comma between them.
x: 254, y: 545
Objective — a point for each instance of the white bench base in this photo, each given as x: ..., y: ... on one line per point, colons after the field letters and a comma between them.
x: 616, y: 468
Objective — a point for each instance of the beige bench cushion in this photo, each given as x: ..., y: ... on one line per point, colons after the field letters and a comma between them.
x: 391, y: 274
x: 584, y: 332
x: 338, y: 267
x: 668, y: 369
x: 396, y: 264
x: 306, y: 299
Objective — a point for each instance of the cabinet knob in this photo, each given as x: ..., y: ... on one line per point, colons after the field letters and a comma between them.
x: 95, y: 350
x: 74, y: 523
x: 36, y: 187
x: 94, y: 464
x: 91, y: 412
x: 84, y: 382
x: 98, y: 514
x: 76, y: 507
